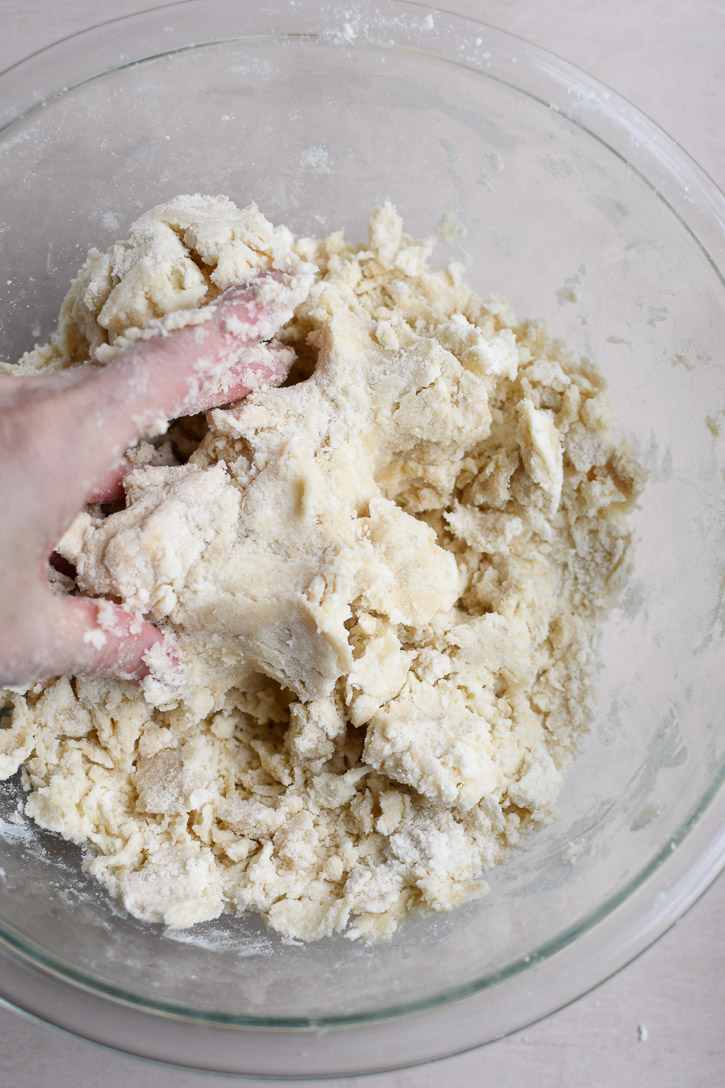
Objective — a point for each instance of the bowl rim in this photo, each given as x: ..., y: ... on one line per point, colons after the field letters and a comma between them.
x: 696, y: 202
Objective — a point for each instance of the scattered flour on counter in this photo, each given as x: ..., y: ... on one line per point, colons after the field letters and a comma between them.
x: 386, y: 579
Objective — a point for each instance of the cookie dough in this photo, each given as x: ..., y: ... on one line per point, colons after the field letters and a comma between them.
x: 386, y: 577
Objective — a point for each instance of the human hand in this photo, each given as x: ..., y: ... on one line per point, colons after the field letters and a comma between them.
x: 61, y: 440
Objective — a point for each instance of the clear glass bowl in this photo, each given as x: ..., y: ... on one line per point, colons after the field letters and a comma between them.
x: 571, y: 205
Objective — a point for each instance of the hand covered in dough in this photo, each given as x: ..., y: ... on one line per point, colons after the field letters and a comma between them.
x: 62, y: 437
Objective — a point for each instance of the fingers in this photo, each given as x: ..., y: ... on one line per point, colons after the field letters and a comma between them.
x: 261, y: 364
x: 111, y: 486
x: 170, y: 375
x: 97, y: 638
x: 62, y: 433
x: 70, y: 429
x: 56, y: 636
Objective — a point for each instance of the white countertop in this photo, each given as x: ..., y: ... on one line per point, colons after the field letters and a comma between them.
x: 660, y: 1023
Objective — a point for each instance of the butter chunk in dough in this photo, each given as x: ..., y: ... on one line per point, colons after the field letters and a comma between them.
x: 387, y: 580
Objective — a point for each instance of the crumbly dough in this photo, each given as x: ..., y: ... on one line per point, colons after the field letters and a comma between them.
x: 386, y: 578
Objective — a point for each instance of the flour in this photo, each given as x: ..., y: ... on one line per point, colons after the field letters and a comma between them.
x: 385, y: 582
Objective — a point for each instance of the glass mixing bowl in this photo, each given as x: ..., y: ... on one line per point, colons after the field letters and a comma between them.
x: 567, y: 202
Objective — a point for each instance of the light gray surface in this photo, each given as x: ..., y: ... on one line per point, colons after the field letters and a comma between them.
x: 659, y: 1023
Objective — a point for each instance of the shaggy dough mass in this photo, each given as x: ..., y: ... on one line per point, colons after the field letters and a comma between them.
x: 387, y: 580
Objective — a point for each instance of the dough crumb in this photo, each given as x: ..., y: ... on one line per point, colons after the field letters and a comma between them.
x: 385, y: 578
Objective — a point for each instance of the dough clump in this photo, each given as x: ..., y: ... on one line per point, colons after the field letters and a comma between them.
x: 387, y: 578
